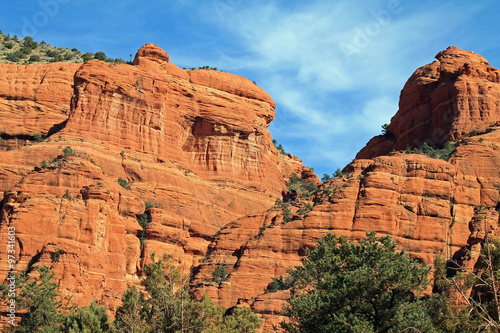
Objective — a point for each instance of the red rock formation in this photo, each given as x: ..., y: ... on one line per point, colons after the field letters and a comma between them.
x: 195, y: 145
x: 430, y: 207
x: 34, y: 98
x: 442, y: 101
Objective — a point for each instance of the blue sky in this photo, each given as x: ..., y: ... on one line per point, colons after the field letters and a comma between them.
x: 334, y: 68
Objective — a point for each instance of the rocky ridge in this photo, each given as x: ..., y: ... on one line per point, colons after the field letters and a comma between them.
x: 442, y: 101
x: 194, y: 146
x: 429, y: 206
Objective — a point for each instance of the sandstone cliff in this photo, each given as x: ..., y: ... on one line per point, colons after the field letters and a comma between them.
x: 442, y: 101
x: 429, y: 206
x: 194, y: 146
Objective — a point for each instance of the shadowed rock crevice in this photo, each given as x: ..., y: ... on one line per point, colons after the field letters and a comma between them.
x: 24, y: 137
x: 57, y: 128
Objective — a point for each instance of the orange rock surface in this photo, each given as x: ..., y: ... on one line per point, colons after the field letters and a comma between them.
x: 430, y: 207
x: 194, y: 144
x: 192, y: 151
x: 34, y: 98
x: 445, y: 100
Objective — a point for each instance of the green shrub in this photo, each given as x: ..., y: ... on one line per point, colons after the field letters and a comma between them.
x: 301, y: 211
x: 149, y: 204
x: 44, y: 165
x: 34, y: 58
x: 38, y: 137
x: 328, y: 190
x: 287, y: 216
x: 300, y: 186
x: 124, y: 183
x: 443, y: 153
x: 118, y: 61
x: 14, y: 56
x: 279, y: 283
x: 87, y: 56
x: 67, y: 195
x: 325, y: 178
x: 143, y: 220
x: 385, y: 131
x: 25, y: 50
x: 100, y: 56
x: 338, y: 173
x: 278, y: 202
x: 9, y: 45
x: 10, y: 148
x: 57, y: 58
x: 68, y: 151
x: 220, y: 274
x: 92, y: 318
x: 279, y: 147
x: 55, y: 255
x: 52, y: 53
x: 261, y: 231
x: 29, y: 43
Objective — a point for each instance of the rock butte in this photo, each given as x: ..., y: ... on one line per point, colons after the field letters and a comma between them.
x: 196, y: 144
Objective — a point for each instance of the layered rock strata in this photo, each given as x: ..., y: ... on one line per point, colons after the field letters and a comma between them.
x: 454, y: 96
x: 194, y: 145
x: 191, y: 150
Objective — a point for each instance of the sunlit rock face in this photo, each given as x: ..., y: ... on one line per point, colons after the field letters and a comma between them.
x: 448, y: 99
x: 194, y: 145
x: 191, y: 150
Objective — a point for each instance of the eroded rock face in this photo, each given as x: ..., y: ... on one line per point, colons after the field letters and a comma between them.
x: 34, y: 99
x: 192, y: 144
x: 430, y: 207
x: 210, y: 123
x: 194, y: 155
x: 442, y: 101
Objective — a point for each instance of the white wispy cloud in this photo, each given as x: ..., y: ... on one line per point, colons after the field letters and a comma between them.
x: 335, y: 69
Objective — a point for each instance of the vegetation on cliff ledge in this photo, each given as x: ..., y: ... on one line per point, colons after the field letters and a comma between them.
x: 28, y: 51
x: 443, y: 153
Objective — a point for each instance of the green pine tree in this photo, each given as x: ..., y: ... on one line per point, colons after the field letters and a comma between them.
x: 168, y: 306
x: 130, y: 316
x: 346, y: 287
x: 89, y: 319
x: 39, y: 303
